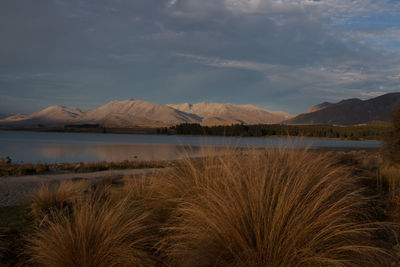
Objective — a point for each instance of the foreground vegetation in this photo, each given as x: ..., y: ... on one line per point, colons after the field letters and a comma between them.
x: 371, y: 131
x: 41, y: 168
x: 278, y: 207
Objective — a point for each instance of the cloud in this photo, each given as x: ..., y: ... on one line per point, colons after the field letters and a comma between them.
x: 224, y: 63
x: 292, y: 53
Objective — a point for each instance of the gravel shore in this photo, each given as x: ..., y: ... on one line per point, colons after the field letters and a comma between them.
x: 16, y: 190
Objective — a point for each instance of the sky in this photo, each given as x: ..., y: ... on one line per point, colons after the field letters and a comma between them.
x: 277, y: 54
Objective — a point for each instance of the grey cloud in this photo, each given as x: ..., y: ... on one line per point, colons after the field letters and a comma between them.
x: 264, y: 52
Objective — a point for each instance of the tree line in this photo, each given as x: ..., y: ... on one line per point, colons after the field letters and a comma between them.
x: 375, y: 130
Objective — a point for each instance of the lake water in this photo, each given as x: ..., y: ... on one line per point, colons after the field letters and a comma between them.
x: 49, y: 147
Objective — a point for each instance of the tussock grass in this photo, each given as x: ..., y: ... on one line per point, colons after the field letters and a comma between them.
x: 389, y: 182
x: 102, y: 166
x: 98, y: 232
x: 34, y: 169
x: 274, y: 208
x: 22, y: 169
x: 2, y: 245
x: 279, y: 207
x: 389, y: 178
x: 48, y: 199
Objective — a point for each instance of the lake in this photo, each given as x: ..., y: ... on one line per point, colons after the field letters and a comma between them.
x: 50, y: 147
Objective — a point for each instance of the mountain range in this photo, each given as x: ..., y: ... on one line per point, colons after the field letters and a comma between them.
x: 220, y: 114
x: 349, y: 111
x: 134, y: 113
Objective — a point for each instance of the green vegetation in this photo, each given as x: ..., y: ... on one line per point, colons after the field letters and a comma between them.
x: 277, y: 207
x: 374, y: 130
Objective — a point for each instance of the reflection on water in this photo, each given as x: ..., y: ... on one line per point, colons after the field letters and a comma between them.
x: 120, y: 152
x: 36, y: 147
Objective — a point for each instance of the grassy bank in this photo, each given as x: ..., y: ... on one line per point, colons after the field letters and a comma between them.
x: 84, y: 167
x: 278, y: 207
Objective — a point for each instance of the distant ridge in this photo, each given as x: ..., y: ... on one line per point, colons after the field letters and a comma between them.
x: 138, y: 113
x: 221, y: 113
x: 3, y: 116
x: 317, y: 107
x: 349, y: 111
x: 129, y: 113
x: 134, y: 113
x: 51, y: 116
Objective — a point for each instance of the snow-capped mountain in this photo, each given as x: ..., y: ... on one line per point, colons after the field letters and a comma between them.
x: 128, y: 113
x: 221, y: 113
x: 131, y: 113
x: 52, y: 116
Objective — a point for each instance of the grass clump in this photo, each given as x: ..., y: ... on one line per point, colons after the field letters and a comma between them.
x: 279, y: 207
x: 50, y: 198
x: 102, y: 166
x: 14, y: 169
x: 97, y: 232
x: 391, y: 148
x: 275, y: 208
x: 15, y: 225
x: 23, y: 169
x: 389, y: 182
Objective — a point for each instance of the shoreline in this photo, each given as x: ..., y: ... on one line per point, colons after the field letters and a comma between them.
x: 155, y: 131
x: 87, y: 167
x: 16, y: 190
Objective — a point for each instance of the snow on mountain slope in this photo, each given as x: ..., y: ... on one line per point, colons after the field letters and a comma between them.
x: 15, y: 117
x: 221, y: 113
x: 137, y: 113
x: 131, y: 113
x: 53, y: 115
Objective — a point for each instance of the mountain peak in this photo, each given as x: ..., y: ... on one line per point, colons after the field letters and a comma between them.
x: 134, y: 112
x: 213, y: 113
x: 350, y: 111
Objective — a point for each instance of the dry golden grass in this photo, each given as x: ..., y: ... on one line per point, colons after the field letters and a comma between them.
x: 274, y: 208
x: 389, y: 181
x: 389, y: 177
x: 58, y: 197
x: 22, y: 169
x: 2, y: 245
x: 16, y: 169
x: 98, y: 232
x: 278, y: 207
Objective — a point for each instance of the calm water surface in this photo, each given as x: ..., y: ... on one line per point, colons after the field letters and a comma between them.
x: 48, y: 147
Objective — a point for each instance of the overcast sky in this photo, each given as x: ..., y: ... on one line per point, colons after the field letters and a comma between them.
x: 278, y: 54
